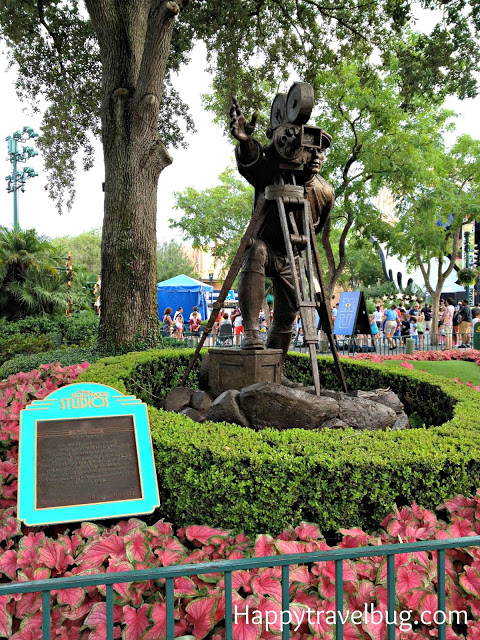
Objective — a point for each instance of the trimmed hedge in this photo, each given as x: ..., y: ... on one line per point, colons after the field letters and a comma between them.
x: 234, y: 477
x: 64, y: 355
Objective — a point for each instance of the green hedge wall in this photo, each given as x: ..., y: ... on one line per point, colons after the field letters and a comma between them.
x: 229, y: 476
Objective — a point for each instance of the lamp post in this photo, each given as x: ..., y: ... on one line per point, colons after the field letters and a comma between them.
x: 467, y: 229
x: 17, y: 179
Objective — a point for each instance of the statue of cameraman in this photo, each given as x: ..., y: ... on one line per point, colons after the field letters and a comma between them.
x: 261, y: 167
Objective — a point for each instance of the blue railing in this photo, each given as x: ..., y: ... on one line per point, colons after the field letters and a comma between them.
x: 228, y: 566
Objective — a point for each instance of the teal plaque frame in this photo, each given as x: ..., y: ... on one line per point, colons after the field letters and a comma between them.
x: 93, y: 415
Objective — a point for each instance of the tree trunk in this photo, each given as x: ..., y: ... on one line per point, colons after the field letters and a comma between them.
x: 134, y: 41
x: 435, y: 316
x: 129, y: 296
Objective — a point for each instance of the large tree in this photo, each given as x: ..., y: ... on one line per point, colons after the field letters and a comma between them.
x: 443, y: 190
x: 136, y: 44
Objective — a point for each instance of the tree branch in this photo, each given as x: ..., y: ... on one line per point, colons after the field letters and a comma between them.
x: 156, y: 50
x: 57, y: 41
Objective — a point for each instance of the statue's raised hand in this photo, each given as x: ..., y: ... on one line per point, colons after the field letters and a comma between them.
x: 239, y: 127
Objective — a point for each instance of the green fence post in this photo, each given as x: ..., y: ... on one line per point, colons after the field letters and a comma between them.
x: 476, y: 336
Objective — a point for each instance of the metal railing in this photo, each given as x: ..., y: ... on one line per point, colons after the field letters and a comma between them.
x: 381, y: 345
x: 228, y: 566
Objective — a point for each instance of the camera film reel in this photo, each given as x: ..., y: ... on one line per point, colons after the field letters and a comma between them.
x: 294, y: 107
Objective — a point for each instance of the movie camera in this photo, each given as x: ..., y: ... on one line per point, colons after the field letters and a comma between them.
x: 291, y: 138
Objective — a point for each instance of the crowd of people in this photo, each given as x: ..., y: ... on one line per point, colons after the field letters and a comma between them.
x: 396, y: 323
x: 174, y: 327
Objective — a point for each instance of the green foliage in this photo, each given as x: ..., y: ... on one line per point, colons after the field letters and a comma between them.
x: 29, y: 325
x: 80, y: 328
x: 85, y: 249
x: 24, y: 344
x: 230, y: 476
x: 467, y: 276
x: 30, y: 283
x: 173, y: 261
x: 215, y: 219
x: 65, y: 356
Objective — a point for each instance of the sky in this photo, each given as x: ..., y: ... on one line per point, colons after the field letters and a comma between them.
x: 198, y: 166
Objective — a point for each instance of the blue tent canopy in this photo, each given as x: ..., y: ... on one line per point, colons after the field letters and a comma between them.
x: 183, y: 291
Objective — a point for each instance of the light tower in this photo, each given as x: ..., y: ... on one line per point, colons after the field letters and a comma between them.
x: 17, y: 179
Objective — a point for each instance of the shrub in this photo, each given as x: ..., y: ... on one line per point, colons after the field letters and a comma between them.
x: 230, y: 476
x: 80, y: 328
x: 23, y: 344
x: 66, y: 356
x: 140, y: 609
x: 31, y: 324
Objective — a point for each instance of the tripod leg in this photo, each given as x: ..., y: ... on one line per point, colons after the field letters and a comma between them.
x: 324, y: 315
x: 306, y: 306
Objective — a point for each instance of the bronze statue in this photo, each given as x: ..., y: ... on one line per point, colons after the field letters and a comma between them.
x: 292, y: 204
x: 294, y: 156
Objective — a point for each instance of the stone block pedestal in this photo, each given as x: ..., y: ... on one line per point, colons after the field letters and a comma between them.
x: 224, y: 369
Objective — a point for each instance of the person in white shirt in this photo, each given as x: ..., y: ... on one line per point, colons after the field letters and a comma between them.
x: 475, y: 320
x: 378, y: 316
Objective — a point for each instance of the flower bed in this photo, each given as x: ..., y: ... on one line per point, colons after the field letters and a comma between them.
x: 470, y: 355
x: 230, y: 477
x: 140, y: 609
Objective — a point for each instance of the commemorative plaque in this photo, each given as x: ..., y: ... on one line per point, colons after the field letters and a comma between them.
x: 85, y: 454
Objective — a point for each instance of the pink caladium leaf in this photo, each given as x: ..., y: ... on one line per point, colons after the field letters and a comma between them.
x: 365, y: 594
x: 264, y: 546
x: 290, y: 546
x: 136, y: 621
x: 307, y: 532
x: 124, y: 527
x: 245, y: 627
x: 24, y: 634
x: 5, y: 618
x: 263, y: 584
x: 121, y: 589
x: 53, y: 555
x: 354, y: 538
x: 201, y: 534
x: 27, y: 603
x: 184, y: 587
x: 200, y: 614
x: 32, y: 622
x: 173, y: 544
x: 8, y: 564
x: 376, y: 630
x: 89, y: 530
x: 96, y: 551
x: 71, y: 597
x: 300, y: 574
x: 428, y: 605
x: 408, y: 579
x: 136, y: 547
x: 473, y: 627
x: 460, y: 528
x: 471, y: 581
x: 158, y: 615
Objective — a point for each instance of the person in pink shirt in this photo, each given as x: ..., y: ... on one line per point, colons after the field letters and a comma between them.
x: 448, y: 323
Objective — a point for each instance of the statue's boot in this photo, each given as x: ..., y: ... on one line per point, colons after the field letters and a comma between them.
x: 252, y: 340
x: 251, y: 290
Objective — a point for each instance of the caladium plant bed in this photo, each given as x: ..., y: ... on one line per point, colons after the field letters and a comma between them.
x: 140, y: 608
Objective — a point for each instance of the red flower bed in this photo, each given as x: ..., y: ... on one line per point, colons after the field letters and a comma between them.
x: 140, y: 608
x: 471, y: 355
